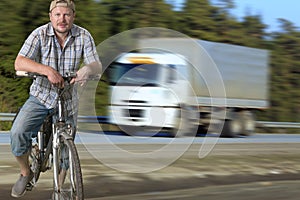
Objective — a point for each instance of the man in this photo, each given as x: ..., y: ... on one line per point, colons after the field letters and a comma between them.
x: 51, y: 50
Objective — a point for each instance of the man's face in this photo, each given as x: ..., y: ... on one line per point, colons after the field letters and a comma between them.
x: 62, y: 19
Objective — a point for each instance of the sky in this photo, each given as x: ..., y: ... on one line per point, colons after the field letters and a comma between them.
x: 270, y: 10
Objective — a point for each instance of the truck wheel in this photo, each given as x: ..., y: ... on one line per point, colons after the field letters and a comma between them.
x: 248, y: 121
x: 202, y: 130
x: 232, y: 127
x: 187, y: 123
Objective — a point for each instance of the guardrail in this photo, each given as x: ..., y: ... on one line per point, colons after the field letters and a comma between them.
x: 104, y: 120
x: 278, y: 124
x: 7, y: 117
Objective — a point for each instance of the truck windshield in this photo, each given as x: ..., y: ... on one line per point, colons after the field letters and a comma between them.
x: 134, y: 74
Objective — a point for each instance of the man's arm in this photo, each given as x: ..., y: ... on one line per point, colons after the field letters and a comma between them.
x: 86, y: 71
x: 25, y: 64
x: 96, y: 67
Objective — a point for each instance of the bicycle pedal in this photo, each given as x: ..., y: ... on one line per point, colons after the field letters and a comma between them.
x: 29, y: 186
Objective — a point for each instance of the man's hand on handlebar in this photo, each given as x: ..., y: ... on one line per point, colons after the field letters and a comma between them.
x: 55, y: 78
x: 82, y: 75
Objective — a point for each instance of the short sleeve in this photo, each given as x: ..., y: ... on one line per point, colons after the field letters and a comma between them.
x: 31, y: 46
x: 90, y: 52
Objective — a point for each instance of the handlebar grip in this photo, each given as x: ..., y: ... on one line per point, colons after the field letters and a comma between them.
x: 22, y: 73
x: 27, y: 74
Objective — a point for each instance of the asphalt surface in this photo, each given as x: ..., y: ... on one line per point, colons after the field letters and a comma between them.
x: 242, y: 169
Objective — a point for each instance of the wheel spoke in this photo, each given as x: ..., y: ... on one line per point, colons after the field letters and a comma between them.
x: 70, y: 177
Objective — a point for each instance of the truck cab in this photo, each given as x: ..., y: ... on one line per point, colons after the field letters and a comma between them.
x: 148, y: 91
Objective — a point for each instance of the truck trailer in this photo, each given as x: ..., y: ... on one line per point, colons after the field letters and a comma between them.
x: 187, y: 86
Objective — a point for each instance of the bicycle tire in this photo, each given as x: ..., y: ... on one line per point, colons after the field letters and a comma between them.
x: 72, y: 186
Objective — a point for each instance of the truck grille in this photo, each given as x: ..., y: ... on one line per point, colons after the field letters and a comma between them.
x: 139, y: 113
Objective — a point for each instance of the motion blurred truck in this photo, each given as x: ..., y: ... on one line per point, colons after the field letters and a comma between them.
x: 187, y: 86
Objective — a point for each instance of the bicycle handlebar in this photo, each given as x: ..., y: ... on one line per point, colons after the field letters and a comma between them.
x: 27, y: 74
x: 67, y: 77
x: 35, y: 75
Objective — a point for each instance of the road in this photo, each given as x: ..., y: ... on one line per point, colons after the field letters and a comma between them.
x: 264, y: 166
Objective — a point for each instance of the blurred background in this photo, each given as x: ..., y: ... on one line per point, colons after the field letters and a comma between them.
x: 201, y: 19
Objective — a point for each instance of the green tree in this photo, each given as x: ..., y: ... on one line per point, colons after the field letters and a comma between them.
x: 93, y: 16
x: 285, y: 79
x: 137, y: 14
x: 197, y: 19
x: 254, y: 31
x: 11, y: 30
x: 33, y: 14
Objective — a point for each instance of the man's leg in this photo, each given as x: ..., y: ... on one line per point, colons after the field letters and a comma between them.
x: 24, y: 164
x: 27, y: 123
x: 26, y: 176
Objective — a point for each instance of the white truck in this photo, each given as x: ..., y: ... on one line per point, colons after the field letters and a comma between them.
x: 188, y: 86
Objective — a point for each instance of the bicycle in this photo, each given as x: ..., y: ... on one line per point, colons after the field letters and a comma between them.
x: 53, y: 147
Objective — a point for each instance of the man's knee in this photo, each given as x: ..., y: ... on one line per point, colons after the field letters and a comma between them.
x: 20, y: 142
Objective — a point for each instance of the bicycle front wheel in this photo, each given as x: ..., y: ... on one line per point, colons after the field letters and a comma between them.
x: 68, y: 182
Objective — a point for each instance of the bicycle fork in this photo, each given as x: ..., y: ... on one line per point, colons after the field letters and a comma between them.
x: 55, y: 159
x: 59, y: 154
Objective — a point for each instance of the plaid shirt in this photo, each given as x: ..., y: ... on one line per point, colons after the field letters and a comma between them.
x: 42, y: 46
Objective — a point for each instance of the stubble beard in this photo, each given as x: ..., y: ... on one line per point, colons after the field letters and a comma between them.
x: 62, y: 32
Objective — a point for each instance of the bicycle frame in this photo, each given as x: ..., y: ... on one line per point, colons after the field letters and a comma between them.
x: 60, y: 128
